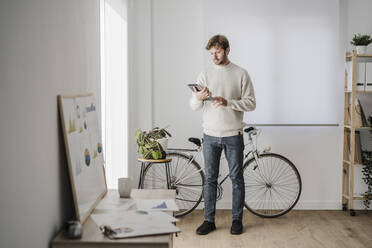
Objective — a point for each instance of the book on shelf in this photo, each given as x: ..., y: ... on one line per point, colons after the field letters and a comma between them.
x: 363, y: 76
x: 369, y: 76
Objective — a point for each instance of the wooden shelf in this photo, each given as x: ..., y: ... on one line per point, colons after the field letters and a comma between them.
x: 358, y: 128
x: 349, y: 55
x: 364, y: 55
x: 355, y: 164
x: 350, y: 138
x: 359, y: 91
x: 359, y: 198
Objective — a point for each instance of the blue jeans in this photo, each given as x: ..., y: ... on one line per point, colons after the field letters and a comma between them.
x: 233, y: 147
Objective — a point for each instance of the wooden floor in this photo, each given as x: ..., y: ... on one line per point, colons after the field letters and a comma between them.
x: 297, y: 229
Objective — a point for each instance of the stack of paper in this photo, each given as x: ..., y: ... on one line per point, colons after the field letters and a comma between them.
x: 136, y: 223
x: 147, y: 220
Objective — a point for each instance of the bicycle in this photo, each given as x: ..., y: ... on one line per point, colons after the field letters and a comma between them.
x: 272, y: 182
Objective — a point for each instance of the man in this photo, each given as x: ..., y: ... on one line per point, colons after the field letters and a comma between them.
x: 227, y: 93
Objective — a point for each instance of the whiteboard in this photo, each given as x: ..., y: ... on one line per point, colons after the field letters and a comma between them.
x: 83, y: 144
x: 291, y: 51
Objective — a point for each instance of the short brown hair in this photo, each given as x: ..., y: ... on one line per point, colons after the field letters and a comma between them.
x: 218, y: 41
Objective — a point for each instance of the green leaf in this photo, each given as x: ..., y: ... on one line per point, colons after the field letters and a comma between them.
x: 140, y: 150
x: 154, y: 155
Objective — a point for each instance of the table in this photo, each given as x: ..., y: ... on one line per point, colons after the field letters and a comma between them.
x: 92, y: 236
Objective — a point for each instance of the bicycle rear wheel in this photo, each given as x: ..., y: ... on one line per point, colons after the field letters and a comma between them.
x: 187, y: 178
x: 272, y: 187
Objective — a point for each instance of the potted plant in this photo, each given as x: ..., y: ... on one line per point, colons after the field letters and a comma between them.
x: 152, y: 144
x: 361, y: 42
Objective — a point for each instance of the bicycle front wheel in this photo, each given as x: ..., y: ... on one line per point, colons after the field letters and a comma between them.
x: 272, y: 186
x: 186, y: 177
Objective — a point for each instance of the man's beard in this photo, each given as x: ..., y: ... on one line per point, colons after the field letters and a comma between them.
x: 222, y: 61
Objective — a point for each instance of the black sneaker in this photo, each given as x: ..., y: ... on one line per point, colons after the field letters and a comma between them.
x: 236, y: 227
x: 206, y: 228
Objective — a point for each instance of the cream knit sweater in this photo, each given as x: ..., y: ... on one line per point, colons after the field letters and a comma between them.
x: 232, y: 83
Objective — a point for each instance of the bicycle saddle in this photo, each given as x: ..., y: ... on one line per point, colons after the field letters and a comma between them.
x: 196, y: 141
x: 248, y: 129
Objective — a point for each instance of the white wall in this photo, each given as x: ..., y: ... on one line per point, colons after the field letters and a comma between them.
x: 178, y: 34
x: 47, y: 47
x: 140, y: 77
x: 178, y: 48
x: 289, y: 48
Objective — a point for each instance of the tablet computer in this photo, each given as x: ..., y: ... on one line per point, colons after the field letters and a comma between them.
x: 198, y: 87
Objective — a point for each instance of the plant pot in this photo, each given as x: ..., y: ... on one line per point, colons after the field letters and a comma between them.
x: 361, y: 49
x: 164, y: 143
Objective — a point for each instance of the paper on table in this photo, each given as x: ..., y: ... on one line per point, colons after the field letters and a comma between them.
x: 137, y: 223
x: 120, y: 219
x: 156, y: 205
x: 134, y: 230
x: 115, y: 203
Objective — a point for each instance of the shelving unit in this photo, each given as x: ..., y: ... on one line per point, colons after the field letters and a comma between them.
x: 348, y: 164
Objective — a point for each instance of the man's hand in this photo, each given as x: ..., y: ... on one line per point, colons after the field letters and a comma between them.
x: 202, y: 95
x: 219, y: 101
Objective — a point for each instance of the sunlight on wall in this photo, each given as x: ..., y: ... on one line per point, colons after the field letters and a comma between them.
x: 114, y: 88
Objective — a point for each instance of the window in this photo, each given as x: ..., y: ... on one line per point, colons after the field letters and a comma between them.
x: 114, y: 40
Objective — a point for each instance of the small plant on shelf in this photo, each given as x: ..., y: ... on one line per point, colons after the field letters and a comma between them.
x: 361, y: 41
x: 148, y: 143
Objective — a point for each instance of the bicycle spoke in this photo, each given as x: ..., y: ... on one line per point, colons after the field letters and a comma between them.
x: 281, y: 171
x: 260, y: 173
x: 157, y: 179
x: 276, y: 169
x: 283, y: 179
x: 189, y: 176
x: 175, y: 173
x: 254, y: 190
x: 252, y: 174
x: 190, y: 188
x: 287, y: 189
x: 190, y: 194
x: 189, y: 162
x: 284, y: 196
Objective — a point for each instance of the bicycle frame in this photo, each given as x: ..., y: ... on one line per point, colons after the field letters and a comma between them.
x: 252, y: 151
x: 256, y: 168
